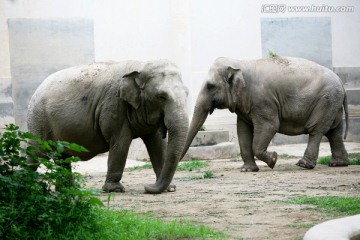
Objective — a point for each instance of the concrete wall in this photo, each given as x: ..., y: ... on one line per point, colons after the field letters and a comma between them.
x: 351, y: 79
x: 192, y: 34
x: 39, y: 47
x: 6, y: 102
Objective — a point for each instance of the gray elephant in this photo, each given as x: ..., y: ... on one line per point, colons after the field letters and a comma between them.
x: 279, y: 94
x: 104, y: 106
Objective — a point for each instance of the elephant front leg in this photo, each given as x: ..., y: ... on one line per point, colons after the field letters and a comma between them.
x: 311, y: 153
x: 156, y: 147
x: 245, y: 137
x: 116, y: 163
x: 263, y: 133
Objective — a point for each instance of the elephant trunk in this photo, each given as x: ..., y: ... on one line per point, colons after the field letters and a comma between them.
x: 201, y: 111
x: 177, y: 130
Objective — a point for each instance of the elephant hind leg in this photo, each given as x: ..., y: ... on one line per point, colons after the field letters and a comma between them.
x: 338, y: 151
x: 311, y: 153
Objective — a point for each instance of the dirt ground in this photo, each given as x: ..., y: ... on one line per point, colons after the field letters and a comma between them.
x: 247, y: 205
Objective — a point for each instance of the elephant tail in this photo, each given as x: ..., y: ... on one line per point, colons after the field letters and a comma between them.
x: 346, y: 115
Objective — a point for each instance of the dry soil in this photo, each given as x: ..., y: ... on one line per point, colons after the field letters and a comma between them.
x: 247, y: 205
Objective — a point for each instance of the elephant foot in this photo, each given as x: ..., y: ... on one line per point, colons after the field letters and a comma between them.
x: 113, y: 187
x: 155, y: 189
x: 336, y: 162
x: 249, y: 168
x: 305, y: 163
x: 171, y: 188
x: 271, y: 161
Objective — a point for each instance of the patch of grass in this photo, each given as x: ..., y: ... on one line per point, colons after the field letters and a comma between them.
x: 301, y: 225
x: 286, y: 156
x: 332, y: 204
x: 209, y: 174
x: 192, y: 165
x: 354, y: 159
x: 145, y: 166
x: 324, y: 160
x: 126, y: 224
x: 206, y: 175
x: 190, y: 178
x: 185, y: 166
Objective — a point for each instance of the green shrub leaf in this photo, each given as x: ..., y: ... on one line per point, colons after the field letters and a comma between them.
x: 96, y: 202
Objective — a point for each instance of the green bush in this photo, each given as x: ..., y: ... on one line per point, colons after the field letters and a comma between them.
x: 29, y: 204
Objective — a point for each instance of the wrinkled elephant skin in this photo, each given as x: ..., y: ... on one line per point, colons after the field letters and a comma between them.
x: 103, y: 106
x: 284, y: 95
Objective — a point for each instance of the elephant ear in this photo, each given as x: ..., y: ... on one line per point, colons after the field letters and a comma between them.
x: 235, y: 82
x: 129, y: 90
x: 236, y: 78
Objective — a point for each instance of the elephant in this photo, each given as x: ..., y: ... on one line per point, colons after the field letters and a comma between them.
x: 285, y: 95
x: 103, y: 106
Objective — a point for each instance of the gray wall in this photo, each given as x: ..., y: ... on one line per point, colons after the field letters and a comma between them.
x: 308, y: 38
x: 39, y: 47
x: 6, y: 103
x: 351, y: 78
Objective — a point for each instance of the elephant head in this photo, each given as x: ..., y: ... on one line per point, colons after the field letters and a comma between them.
x: 158, y: 98
x: 221, y: 90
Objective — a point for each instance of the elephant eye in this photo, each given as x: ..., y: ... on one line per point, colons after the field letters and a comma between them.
x: 162, y: 97
x: 211, y: 86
